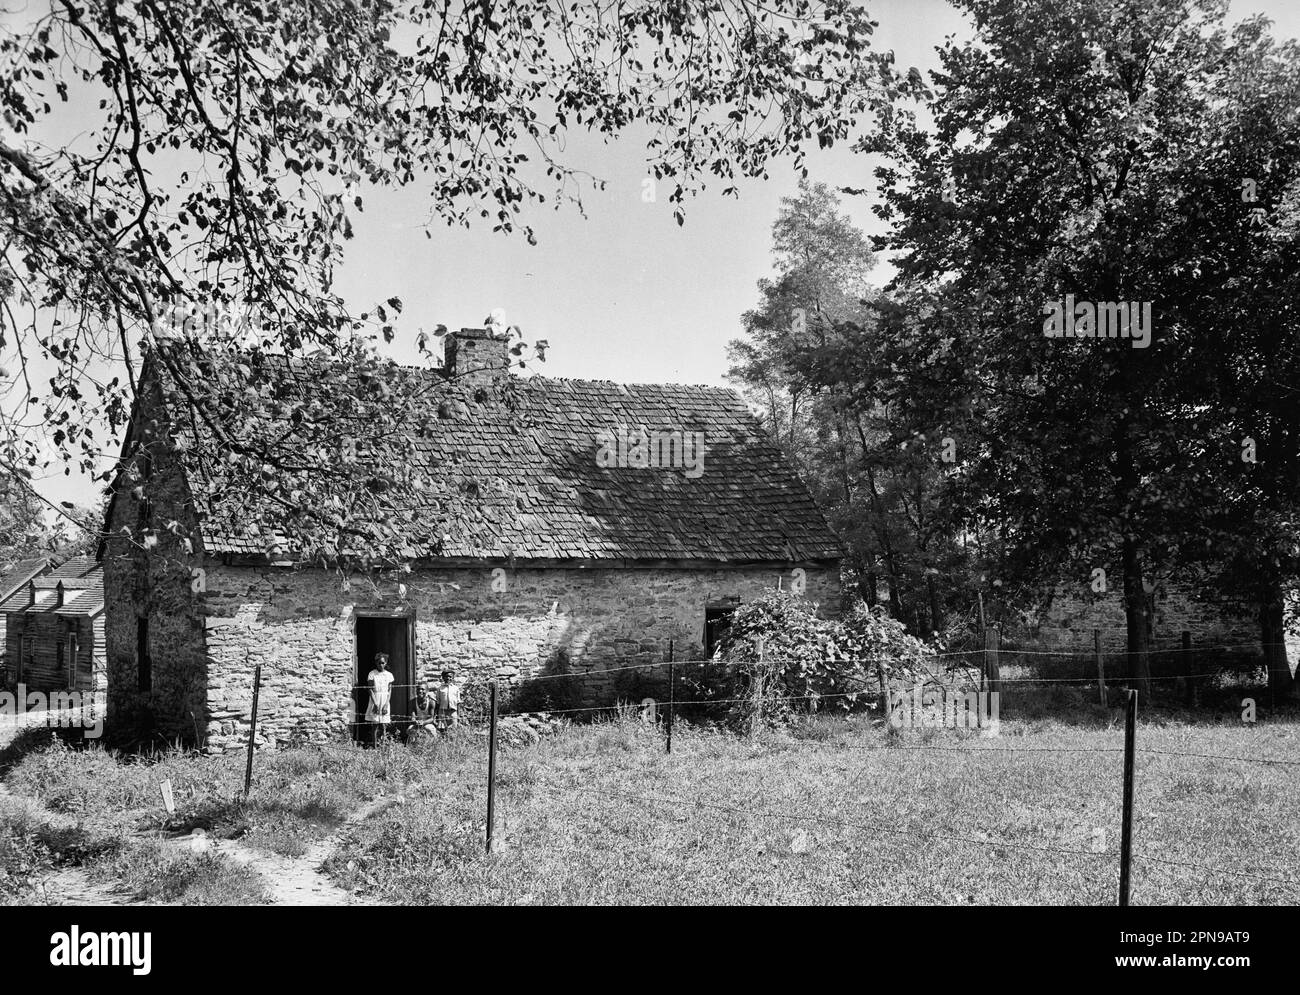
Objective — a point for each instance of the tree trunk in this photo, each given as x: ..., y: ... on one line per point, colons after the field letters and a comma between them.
x: 882, y: 534
x: 1272, y: 636
x: 936, y: 612
x: 860, y: 572
x: 1135, y: 619
x: 895, y: 594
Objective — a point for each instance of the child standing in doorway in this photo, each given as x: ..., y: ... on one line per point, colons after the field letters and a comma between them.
x: 380, y: 712
x: 447, y: 701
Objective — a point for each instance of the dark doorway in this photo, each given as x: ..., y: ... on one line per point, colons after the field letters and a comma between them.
x: 383, y: 634
x: 717, y: 619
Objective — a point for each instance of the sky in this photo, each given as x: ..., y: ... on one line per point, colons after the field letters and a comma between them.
x: 624, y: 293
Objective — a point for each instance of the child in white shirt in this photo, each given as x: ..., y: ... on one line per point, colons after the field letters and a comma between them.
x: 380, y: 679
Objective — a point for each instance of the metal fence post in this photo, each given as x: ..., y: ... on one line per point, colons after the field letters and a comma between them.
x: 1101, y: 665
x: 672, y: 694
x: 1126, y: 839
x: 492, y: 767
x: 252, y: 731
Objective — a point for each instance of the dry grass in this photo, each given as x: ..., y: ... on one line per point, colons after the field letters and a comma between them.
x: 839, y: 812
x: 151, y: 873
x: 831, y: 810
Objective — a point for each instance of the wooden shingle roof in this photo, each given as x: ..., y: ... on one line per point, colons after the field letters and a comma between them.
x: 538, y: 490
x: 82, y: 580
x: 17, y: 573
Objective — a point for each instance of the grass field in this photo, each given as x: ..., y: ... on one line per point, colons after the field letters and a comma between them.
x: 828, y: 811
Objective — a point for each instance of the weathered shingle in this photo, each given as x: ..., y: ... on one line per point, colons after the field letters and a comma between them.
x: 536, y: 490
x: 83, y: 591
x: 17, y: 573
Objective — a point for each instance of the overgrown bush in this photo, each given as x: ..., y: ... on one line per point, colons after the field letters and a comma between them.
x: 23, y: 860
x: 476, y: 700
x: 158, y: 875
x: 877, y: 644
x: 783, y: 658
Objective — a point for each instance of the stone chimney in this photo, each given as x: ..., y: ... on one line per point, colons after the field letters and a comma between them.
x: 474, y: 355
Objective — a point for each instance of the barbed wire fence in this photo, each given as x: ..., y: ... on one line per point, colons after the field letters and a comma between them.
x: 1285, y: 876
x: 983, y: 677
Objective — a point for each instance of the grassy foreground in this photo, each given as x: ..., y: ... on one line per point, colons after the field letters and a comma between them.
x: 829, y: 811
x: 834, y: 813
x: 102, y: 812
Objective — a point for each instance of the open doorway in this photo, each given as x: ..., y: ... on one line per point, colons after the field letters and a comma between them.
x: 394, y: 636
x: 717, y: 619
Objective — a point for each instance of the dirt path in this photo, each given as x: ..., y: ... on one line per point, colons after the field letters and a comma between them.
x: 295, y: 880
x: 70, y: 885
x: 288, y: 880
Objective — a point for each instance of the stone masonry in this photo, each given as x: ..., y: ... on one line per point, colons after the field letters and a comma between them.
x: 1067, y: 623
x: 299, y: 624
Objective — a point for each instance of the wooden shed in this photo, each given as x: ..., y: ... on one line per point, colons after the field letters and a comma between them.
x: 15, y: 574
x: 54, y: 629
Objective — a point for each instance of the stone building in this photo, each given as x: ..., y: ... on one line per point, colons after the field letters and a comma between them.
x: 579, y: 553
x: 1221, y: 630
x: 1173, y: 607
x: 54, y: 628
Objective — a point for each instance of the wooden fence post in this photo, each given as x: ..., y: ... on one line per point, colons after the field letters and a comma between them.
x: 992, y: 639
x: 1101, y: 666
x: 1126, y: 838
x: 252, y: 731
x: 169, y: 799
x: 492, y: 767
x: 1188, y: 670
x: 886, y: 696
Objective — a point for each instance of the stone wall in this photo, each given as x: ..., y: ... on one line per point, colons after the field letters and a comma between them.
x: 1067, y: 622
x: 149, y: 577
x: 300, y: 625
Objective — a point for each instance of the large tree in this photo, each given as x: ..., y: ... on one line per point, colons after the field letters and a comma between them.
x: 1243, y: 215
x: 1055, y: 176
x: 229, y: 145
x: 844, y: 392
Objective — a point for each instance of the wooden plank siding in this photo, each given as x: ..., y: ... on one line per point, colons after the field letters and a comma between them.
x: 37, y: 652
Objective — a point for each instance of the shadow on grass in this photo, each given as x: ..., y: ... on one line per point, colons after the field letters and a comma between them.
x: 33, y: 739
x: 1081, y: 707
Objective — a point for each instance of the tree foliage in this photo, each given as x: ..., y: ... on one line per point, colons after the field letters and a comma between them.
x: 1083, y: 149
x: 849, y: 388
x: 232, y: 145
